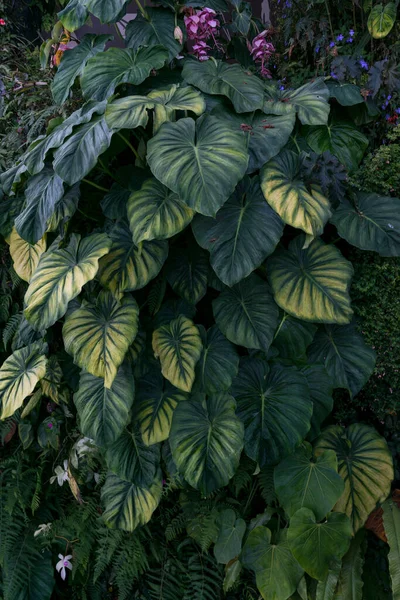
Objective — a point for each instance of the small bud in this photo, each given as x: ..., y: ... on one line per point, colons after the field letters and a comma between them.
x: 178, y: 35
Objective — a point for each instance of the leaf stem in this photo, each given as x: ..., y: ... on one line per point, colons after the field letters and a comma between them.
x: 329, y: 18
x: 98, y: 187
x: 127, y: 142
x: 140, y: 7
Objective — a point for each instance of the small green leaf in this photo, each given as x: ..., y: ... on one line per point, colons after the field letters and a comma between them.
x: 347, y: 94
x: 231, y: 532
x: 168, y: 100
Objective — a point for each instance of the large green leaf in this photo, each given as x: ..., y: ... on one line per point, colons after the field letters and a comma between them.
x: 301, y: 206
x: 370, y: 222
x: 65, y: 208
x: 321, y: 389
x: 74, y: 15
x: 178, y: 346
x: 311, y: 283
x: 156, y: 27
x: 218, y: 364
x: 350, y: 584
x: 231, y: 532
x: 168, y: 100
x: 381, y: 19
x: 347, y: 359
x: 391, y: 521
x: 317, y: 545
x: 99, y: 335
x: 73, y: 62
x: 128, y: 112
x: 342, y: 139
x: 107, y: 11
x: 156, y: 213
x: 39, y: 582
x: 247, y: 314
x: 304, y: 482
x: 60, y: 275
x: 129, y: 267
x: 293, y: 337
x: 105, y: 71
x: 128, y: 505
x: 244, y: 89
x: 156, y: 402
x: 310, y: 101
x: 25, y: 256
x: 347, y: 94
x: 130, y: 458
x: 365, y: 464
x: 201, y: 161
x: 243, y: 234
x: 19, y: 374
x: 206, y: 441
x: 42, y: 194
x: 187, y: 273
x: 275, y: 406
x: 277, y: 572
x: 104, y: 412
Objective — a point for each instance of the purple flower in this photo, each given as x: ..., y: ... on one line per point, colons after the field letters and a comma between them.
x: 363, y: 64
x: 317, y: 49
x: 397, y: 110
x: 50, y: 425
x: 261, y: 51
x: 349, y: 40
x: 351, y: 33
x: 340, y: 37
x: 389, y: 97
x: 387, y: 117
x: 333, y: 75
x: 332, y: 45
x: 281, y: 87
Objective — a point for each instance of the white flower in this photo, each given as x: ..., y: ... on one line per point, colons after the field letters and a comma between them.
x: 63, y: 564
x: 43, y: 528
x: 61, y: 474
x: 96, y: 477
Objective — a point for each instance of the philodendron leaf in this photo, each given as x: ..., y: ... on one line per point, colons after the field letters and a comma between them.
x: 218, y: 364
x: 347, y: 94
x: 105, y: 71
x: 206, y: 441
x: 381, y: 19
x: 129, y: 458
x: 304, y: 482
x: 370, y: 222
x: 99, y: 335
x: 313, y: 283
x: 321, y: 388
x: 201, y: 161
x: 128, y: 112
x: 247, y: 314
x: 244, y: 89
x: 74, y: 15
x: 128, y: 505
x: 156, y: 401
x: 104, y: 412
x: 245, y: 231
x: 231, y: 532
x: 364, y: 463
x: 275, y: 406
x: 156, y: 27
x: 60, y: 275
x: 106, y: 12
x: 326, y: 588
x: 310, y: 101
x: 347, y: 359
x: 128, y: 267
x: 391, y: 520
x: 178, y: 346
x: 168, y: 100
x: 293, y: 337
x: 19, y: 374
x: 277, y: 572
x: 65, y: 208
x: 73, y: 62
x: 156, y: 213
x: 187, y: 273
x: 25, y: 256
x: 301, y: 206
x: 317, y: 545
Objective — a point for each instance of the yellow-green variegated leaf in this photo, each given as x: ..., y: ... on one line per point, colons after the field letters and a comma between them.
x: 310, y: 102
x: 127, y: 505
x: 156, y: 213
x: 168, y: 100
x: 300, y: 206
x: 25, y: 255
x: 381, y: 19
x: 128, y: 113
x: 51, y: 382
x: 60, y: 275
x: 178, y: 346
x: 98, y: 335
x: 19, y: 374
x: 313, y: 283
x: 128, y: 267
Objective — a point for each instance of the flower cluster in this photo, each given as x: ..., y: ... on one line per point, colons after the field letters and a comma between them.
x: 261, y: 51
x: 201, y: 27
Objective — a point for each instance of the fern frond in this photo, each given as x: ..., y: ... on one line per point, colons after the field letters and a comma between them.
x: 204, y: 578
x: 11, y: 328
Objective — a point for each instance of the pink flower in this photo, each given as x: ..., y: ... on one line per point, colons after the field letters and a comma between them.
x: 2, y: 22
x: 202, y: 25
x: 200, y: 50
x: 261, y: 51
x: 178, y: 34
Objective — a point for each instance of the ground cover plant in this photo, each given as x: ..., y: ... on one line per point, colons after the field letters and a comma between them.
x: 177, y: 317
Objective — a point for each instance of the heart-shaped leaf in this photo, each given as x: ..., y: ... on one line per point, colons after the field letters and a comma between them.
x: 129, y: 458
x: 342, y: 139
x: 25, y: 256
x: 74, y: 15
x: 231, y: 532
x: 218, y: 364
x: 168, y: 100
x: 381, y: 19
x: 156, y: 27
x: 310, y: 101
x: 106, y: 12
x: 128, y: 113
x: 347, y: 94
x: 187, y: 273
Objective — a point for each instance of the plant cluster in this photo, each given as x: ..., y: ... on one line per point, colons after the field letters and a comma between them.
x: 178, y: 318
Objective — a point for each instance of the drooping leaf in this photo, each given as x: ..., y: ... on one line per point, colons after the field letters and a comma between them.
x: 178, y: 346
x: 370, y: 222
x: 243, y: 234
x: 364, y: 463
x: 74, y: 15
x: 320, y: 386
x: 128, y: 112
x: 156, y: 213
x: 206, y: 441
x: 311, y: 284
x: 275, y: 406
x: 342, y: 139
x: 73, y: 62
x: 231, y: 532
x: 302, y: 482
x: 293, y: 337
x: 51, y: 381
x: 25, y: 256
x: 168, y: 100
x: 277, y: 572
x: 105, y: 412
x: 350, y: 584
x: 347, y: 359
x: 64, y: 209
x: 105, y: 71
x: 127, y: 505
x: 310, y: 102
x: 187, y: 273
x: 391, y: 520
x: 60, y: 275
x: 129, y: 267
x: 381, y: 19
x: 247, y: 314
x: 19, y: 374
x: 244, y: 89
x: 156, y: 27
x: 201, y: 161
x: 107, y: 12
x: 317, y: 545
x: 218, y: 364
x: 99, y: 335
x: 129, y: 458
x: 241, y: 18
x: 347, y: 94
